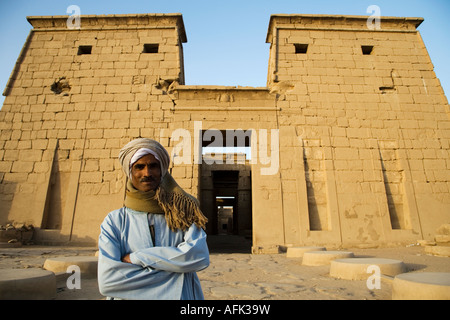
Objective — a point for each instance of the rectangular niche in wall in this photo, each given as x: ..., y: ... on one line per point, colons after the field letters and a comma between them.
x: 57, y: 192
x: 150, y: 48
x: 367, y: 50
x: 301, y: 48
x: 394, y: 185
x: 82, y: 50
x: 316, y: 185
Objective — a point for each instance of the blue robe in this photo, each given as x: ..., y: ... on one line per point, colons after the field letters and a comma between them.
x: 165, y: 270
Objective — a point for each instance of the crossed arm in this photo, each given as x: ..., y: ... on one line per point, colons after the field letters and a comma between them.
x: 189, y: 256
x: 127, y: 275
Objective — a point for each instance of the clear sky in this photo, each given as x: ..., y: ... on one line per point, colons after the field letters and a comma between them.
x: 226, y: 39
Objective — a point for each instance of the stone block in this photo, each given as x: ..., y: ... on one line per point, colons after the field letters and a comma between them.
x: 5, y: 166
x: 118, y: 88
x: 22, y: 166
x: 106, y: 165
x: 298, y: 252
x: 41, y: 167
x: 27, y: 284
x: 320, y: 258
x: 358, y: 268
x: 91, y: 165
x: 179, y: 172
x: 86, y: 264
x: 438, y: 250
x: 421, y: 286
x: 91, y: 177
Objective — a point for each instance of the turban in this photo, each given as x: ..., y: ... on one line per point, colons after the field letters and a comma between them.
x: 136, y: 149
x: 181, y: 209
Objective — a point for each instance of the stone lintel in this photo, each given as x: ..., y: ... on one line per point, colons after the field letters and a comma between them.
x: 204, y: 98
x: 204, y: 91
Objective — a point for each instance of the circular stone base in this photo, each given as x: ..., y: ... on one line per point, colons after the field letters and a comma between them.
x: 27, y: 284
x: 421, y: 286
x: 87, y: 264
x: 321, y: 258
x: 356, y: 268
x: 298, y: 252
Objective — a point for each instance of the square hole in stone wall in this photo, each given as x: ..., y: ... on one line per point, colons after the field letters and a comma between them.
x: 84, y: 50
x: 151, y: 48
x: 301, y: 48
x: 367, y: 50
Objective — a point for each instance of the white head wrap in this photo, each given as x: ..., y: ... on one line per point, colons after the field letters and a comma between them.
x: 139, y: 154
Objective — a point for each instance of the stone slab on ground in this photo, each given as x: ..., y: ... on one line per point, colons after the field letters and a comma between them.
x: 442, y: 251
x: 357, y: 268
x: 421, y: 286
x: 27, y: 284
x: 87, y: 264
x: 321, y: 258
x: 241, y: 276
x: 298, y: 252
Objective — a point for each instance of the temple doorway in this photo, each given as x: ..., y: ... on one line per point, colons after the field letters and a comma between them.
x: 226, y: 200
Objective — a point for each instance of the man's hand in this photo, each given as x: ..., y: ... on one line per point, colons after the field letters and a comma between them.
x: 126, y: 258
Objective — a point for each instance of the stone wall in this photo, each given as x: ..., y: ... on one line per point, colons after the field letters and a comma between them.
x: 74, y: 99
x: 360, y: 121
x: 373, y: 121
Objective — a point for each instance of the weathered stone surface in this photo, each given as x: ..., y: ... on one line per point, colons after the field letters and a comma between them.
x: 357, y: 268
x: 298, y: 252
x: 321, y: 258
x: 27, y: 284
x: 443, y: 251
x: 350, y: 146
x: 421, y: 286
x: 87, y: 264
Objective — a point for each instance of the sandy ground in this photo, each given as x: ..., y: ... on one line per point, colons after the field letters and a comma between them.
x: 238, y: 275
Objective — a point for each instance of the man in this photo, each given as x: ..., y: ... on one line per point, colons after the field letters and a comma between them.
x: 153, y: 246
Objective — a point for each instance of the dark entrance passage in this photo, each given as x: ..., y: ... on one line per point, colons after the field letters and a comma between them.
x: 226, y: 217
x: 225, y: 190
x: 226, y: 235
x: 229, y: 244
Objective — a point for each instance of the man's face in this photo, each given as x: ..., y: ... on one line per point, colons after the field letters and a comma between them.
x: 146, y: 173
